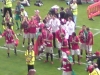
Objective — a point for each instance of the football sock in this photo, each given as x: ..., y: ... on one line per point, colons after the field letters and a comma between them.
x: 73, y: 59
x: 23, y: 41
x: 33, y: 41
x: 47, y: 55
x: 61, y: 65
x: 8, y: 54
x: 59, y: 54
x: 81, y: 52
x: 78, y: 58
x: 15, y: 51
x: 51, y: 57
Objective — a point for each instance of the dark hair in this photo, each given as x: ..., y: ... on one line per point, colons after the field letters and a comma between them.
x: 84, y: 25
x: 61, y: 8
x: 74, y: 34
x: 88, y: 29
x: 40, y: 30
x: 70, y: 18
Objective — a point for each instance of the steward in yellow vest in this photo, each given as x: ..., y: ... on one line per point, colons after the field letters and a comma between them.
x: 30, y: 57
x: 7, y: 7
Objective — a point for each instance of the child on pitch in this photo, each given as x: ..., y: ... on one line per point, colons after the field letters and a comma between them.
x: 7, y: 21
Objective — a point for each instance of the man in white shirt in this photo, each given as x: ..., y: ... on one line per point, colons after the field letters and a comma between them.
x: 55, y: 23
x: 70, y: 28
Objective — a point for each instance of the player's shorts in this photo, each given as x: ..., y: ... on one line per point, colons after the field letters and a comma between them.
x: 49, y: 50
x: 75, y: 52
x: 63, y: 54
x: 58, y: 45
x: 67, y: 73
x: 89, y: 48
x: 82, y: 46
x: 17, y: 17
x: 32, y: 35
x: 25, y: 35
x: 9, y: 45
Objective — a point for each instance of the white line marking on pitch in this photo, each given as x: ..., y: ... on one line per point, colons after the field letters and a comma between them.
x: 96, y: 33
x: 42, y: 55
x: 90, y: 28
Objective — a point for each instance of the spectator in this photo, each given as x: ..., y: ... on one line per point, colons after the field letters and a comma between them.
x: 70, y: 25
x: 62, y: 13
x: 74, y: 9
x: 25, y: 3
x: 68, y: 13
x: 7, y: 21
x: 55, y: 23
x: 18, y: 13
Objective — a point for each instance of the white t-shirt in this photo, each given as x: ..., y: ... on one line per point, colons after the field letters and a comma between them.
x: 71, y: 27
x: 55, y: 23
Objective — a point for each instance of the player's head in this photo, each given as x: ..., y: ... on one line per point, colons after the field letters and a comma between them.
x: 31, y: 72
x: 69, y: 18
x: 30, y: 47
x: 74, y: 1
x: 73, y: 34
x: 61, y: 8
x: 84, y: 27
x: 90, y: 68
x: 97, y: 53
x: 87, y: 29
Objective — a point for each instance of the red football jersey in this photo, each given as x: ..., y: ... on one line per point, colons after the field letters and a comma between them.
x: 75, y: 46
x: 89, y: 37
x: 8, y: 34
x: 58, y: 34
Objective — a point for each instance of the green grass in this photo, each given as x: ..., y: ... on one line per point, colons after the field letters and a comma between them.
x: 15, y: 65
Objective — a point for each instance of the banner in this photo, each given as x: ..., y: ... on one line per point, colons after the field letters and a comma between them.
x: 93, y: 10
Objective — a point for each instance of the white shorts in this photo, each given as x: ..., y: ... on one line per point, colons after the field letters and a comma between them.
x: 32, y: 35
x: 89, y: 48
x: 49, y: 50
x: 82, y: 46
x: 58, y: 45
x: 9, y: 45
x: 67, y: 73
x: 25, y: 35
x: 63, y: 54
x: 75, y: 52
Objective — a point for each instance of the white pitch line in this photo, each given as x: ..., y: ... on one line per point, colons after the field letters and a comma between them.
x: 90, y: 28
x: 42, y: 55
x: 96, y: 33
